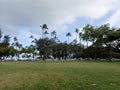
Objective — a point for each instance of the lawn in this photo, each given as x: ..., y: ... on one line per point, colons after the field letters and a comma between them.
x: 60, y: 75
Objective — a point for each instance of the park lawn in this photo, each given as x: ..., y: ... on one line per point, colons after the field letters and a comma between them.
x: 59, y: 75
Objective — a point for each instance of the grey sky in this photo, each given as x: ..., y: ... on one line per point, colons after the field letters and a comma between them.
x: 17, y: 16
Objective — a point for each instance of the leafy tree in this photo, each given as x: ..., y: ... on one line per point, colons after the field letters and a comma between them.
x: 44, y: 47
x: 6, y: 40
x: 12, y: 52
x: 88, y: 34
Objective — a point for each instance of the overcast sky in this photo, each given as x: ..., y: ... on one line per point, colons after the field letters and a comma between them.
x: 22, y: 18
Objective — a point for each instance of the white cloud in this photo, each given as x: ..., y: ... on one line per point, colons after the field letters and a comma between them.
x: 33, y: 12
x: 114, y: 20
x: 19, y: 14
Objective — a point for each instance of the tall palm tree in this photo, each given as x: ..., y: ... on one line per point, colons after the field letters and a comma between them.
x: 0, y: 34
x: 68, y: 35
x: 80, y: 35
x: 77, y: 32
x: 45, y: 33
x: 15, y: 41
x: 53, y: 33
x: 44, y: 26
x: 31, y: 36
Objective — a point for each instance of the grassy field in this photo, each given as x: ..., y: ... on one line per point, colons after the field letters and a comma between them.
x: 38, y: 75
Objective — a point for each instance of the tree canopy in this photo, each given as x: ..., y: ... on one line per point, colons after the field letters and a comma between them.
x: 102, y: 42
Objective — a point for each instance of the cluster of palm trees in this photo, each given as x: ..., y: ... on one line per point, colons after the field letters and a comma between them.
x: 105, y: 44
x: 101, y: 42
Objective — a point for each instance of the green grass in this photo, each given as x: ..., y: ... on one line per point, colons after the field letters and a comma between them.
x: 38, y: 75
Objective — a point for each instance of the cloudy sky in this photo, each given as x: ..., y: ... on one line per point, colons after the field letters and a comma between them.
x: 22, y: 18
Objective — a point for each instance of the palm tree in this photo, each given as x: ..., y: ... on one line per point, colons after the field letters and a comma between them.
x: 68, y: 35
x: 15, y: 40
x: 53, y: 33
x: 32, y: 39
x: 0, y: 34
x: 6, y: 40
x: 80, y: 35
x: 44, y: 26
x: 31, y: 36
x: 77, y: 32
x: 45, y: 33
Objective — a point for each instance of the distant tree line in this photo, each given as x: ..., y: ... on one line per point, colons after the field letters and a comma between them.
x: 101, y: 42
